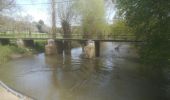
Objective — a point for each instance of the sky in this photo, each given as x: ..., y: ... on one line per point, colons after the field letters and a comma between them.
x: 37, y: 11
x: 42, y: 11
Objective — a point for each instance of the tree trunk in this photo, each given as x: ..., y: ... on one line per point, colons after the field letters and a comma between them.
x: 53, y: 19
x: 67, y: 34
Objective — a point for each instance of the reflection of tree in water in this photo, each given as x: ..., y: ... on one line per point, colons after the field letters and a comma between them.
x: 60, y: 76
x: 52, y: 61
x: 71, y: 79
x: 84, y: 76
x: 57, y: 89
x: 66, y: 64
x: 77, y: 77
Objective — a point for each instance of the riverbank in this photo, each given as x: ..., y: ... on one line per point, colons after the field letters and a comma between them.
x: 7, y: 93
x: 12, y: 52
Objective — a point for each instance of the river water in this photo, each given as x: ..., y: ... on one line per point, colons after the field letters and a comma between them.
x: 113, y: 76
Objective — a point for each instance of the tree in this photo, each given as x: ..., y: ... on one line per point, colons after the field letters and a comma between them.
x: 151, y: 20
x: 40, y: 25
x: 119, y: 27
x: 66, y: 14
x: 92, y: 16
x: 6, y: 23
x: 42, y: 28
x: 6, y: 4
x: 53, y: 15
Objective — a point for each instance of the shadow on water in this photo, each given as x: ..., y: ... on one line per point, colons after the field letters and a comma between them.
x: 159, y: 77
x: 115, y: 75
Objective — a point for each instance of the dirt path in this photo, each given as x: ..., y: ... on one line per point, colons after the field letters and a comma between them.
x: 8, y: 94
x: 5, y: 95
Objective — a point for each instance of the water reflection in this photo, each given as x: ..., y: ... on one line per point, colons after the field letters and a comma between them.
x: 113, y: 76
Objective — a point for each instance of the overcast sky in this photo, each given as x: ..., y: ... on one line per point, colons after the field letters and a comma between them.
x: 37, y: 10
x: 42, y: 11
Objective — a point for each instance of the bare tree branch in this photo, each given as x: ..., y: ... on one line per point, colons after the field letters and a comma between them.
x: 6, y: 4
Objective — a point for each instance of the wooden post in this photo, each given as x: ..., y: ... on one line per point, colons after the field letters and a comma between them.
x: 97, y: 48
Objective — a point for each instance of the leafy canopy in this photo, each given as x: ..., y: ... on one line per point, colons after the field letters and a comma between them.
x: 92, y: 15
x: 120, y: 27
x: 151, y: 20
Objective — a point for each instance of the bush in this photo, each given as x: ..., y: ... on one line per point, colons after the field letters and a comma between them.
x: 6, y: 51
x: 17, y: 50
x: 40, y: 46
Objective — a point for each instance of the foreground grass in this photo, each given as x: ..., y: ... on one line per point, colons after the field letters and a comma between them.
x: 7, y: 51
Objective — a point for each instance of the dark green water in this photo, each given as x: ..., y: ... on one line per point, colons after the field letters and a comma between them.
x: 113, y: 76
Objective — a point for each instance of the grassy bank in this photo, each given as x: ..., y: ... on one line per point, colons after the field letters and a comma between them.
x: 7, y: 51
x: 10, y: 51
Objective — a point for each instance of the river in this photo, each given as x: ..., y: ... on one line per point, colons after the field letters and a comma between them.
x: 114, y: 75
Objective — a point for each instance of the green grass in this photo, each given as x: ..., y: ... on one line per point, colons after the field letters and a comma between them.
x: 7, y: 51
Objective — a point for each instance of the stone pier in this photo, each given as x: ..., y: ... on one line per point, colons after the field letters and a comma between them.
x: 89, y: 49
x: 51, y: 48
x: 20, y: 43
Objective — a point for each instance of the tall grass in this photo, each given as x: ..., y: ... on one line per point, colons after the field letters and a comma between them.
x: 7, y: 51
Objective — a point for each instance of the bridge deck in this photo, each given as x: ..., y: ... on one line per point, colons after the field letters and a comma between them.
x: 104, y: 38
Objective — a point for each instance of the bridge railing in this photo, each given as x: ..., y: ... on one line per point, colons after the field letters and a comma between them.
x: 72, y: 36
x: 104, y: 37
x: 20, y: 35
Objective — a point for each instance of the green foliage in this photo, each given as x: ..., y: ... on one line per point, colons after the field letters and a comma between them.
x: 92, y: 14
x: 6, y: 51
x: 41, y: 27
x: 151, y: 20
x: 15, y: 49
x: 40, y: 45
x: 120, y: 27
